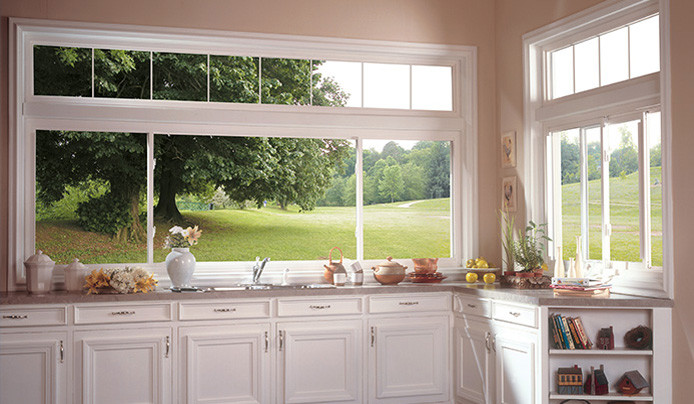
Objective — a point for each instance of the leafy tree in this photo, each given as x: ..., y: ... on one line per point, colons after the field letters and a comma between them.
x: 392, y: 184
x: 570, y: 160
x: 439, y: 170
x: 656, y: 156
x: 626, y: 158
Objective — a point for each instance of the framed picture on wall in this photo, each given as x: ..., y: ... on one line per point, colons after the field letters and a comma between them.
x: 509, y: 199
x: 508, y: 149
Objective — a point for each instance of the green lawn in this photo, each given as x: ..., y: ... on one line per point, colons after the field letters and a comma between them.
x: 624, y: 216
x: 422, y: 229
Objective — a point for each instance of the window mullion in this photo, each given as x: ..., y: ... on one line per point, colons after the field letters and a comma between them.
x: 359, y: 171
x: 605, y: 195
x: 644, y: 192
x: 150, y: 197
x: 584, y: 192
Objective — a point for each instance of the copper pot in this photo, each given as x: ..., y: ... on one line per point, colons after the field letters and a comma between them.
x: 389, y: 272
x: 425, y: 265
x: 333, y: 267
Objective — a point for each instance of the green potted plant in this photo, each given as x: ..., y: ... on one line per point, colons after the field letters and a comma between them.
x: 529, y: 249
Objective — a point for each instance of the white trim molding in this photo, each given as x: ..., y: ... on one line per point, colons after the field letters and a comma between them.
x: 543, y: 115
x: 29, y: 112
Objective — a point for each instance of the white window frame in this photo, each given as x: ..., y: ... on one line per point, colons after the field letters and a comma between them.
x: 29, y: 113
x: 543, y: 115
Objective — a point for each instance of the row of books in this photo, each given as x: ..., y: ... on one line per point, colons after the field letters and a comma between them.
x: 568, y: 333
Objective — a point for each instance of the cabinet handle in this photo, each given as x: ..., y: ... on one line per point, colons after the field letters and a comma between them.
x: 408, y: 303
x: 123, y: 313
x: 373, y: 336
x: 281, y: 340
x: 168, y: 346
x: 225, y: 310
x: 486, y: 341
x: 267, y: 342
x: 62, y: 352
x: 319, y: 307
x: 514, y: 313
x: 15, y: 316
x: 494, y: 344
x: 472, y: 306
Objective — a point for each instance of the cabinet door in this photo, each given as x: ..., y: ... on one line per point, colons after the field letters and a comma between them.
x: 473, y: 360
x: 225, y: 364
x: 515, y: 366
x: 32, y: 368
x: 320, y: 362
x: 123, y: 366
x: 409, y: 360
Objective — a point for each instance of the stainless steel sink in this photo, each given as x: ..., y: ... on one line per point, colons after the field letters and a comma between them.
x: 269, y: 286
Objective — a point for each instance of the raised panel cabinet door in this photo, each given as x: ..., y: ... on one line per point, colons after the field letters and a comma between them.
x: 515, y: 366
x: 33, y: 368
x: 473, y: 361
x: 409, y: 360
x: 225, y: 364
x: 123, y: 366
x: 320, y: 362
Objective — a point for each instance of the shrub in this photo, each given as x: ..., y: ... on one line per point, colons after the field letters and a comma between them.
x: 104, y: 214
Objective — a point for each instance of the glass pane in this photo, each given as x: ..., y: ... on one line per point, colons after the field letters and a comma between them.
x: 614, y: 56
x: 656, y: 186
x: 255, y: 196
x: 407, y: 199
x: 91, y: 196
x: 624, y: 192
x: 121, y: 73
x: 644, y: 38
x: 386, y: 86
x: 587, y: 65
x: 62, y: 71
x: 336, y: 84
x: 432, y: 88
x: 286, y: 81
x: 594, y: 166
x: 563, y: 72
x: 180, y: 76
x: 570, y: 190
x: 234, y: 79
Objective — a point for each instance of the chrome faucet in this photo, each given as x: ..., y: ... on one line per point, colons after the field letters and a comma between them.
x: 258, y: 268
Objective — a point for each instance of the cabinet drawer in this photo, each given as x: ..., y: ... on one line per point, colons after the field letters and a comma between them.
x: 317, y: 307
x: 523, y: 315
x: 223, y: 310
x: 473, y: 306
x: 33, y: 316
x: 409, y: 303
x: 117, y: 313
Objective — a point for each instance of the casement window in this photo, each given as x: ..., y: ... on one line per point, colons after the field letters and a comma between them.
x: 310, y: 142
x: 598, y: 141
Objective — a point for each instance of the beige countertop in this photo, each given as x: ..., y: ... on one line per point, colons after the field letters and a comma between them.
x: 535, y: 297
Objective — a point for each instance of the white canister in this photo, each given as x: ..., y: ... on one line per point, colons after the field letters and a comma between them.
x: 39, y: 271
x: 74, y: 276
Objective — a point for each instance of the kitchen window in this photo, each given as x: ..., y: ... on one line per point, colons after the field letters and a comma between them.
x: 598, y: 141
x: 309, y: 141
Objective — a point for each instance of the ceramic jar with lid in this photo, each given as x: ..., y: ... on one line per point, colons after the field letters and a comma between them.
x: 39, y: 271
x: 74, y: 276
x: 389, y: 272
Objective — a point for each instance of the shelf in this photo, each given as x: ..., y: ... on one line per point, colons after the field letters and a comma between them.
x: 608, y: 396
x: 603, y: 352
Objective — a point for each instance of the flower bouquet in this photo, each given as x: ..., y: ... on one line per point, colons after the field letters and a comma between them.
x: 182, y: 238
x: 120, y: 280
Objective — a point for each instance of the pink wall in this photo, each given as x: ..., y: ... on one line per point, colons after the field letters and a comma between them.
x: 515, y: 18
x: 467, y: 22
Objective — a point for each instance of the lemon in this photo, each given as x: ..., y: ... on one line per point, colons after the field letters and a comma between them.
x: 489, y: 278
x: 470, y: 263
x: 471, y: 277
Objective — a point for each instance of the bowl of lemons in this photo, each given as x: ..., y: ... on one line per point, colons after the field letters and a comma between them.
x: 481, y: 267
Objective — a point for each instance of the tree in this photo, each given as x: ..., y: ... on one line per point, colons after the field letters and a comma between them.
x: 392, y: 184
x: 624, y: 160
x: 570, y: 160
x: 439, y: 170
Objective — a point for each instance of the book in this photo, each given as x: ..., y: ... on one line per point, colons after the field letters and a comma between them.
x: 557, y: 328
x: 567, y: 331
x: 584, y: 334
x: 577, y: 339
x: 568, y: 344
x: 555, y: 334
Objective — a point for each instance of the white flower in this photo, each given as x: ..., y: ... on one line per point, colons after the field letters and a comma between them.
x: 176, y: 229
x: 184, y: 233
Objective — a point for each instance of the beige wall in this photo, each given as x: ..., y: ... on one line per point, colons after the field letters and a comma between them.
x: 515, y: 18
x: 458, y: 22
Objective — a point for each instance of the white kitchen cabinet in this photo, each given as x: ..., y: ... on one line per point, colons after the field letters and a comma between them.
x: 515, y: 360
x: 320, y: 361
x: 474, y: 359
x: 123, y: 365
x: 224, y: 364
x: 408, y: 360
x: 33, y: 367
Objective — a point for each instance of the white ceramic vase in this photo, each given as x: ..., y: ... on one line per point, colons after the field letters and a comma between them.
x: 180, y: 265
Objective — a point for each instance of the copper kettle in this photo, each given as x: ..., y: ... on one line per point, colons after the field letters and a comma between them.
x: 333, y: 267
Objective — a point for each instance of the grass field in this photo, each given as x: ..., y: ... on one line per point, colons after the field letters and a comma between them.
x: 421, y: 229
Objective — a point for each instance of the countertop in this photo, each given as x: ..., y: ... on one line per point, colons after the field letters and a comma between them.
x: 534, y: 297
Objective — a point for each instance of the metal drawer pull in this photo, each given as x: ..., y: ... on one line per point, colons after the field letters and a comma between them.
x: 225, y: 310
x: 168, y: 346
x: 373, y: 336
x: 486, y: 341
x: 494, y: 343
x: 408, y: 303
x: 123, y: 313
x: 321, y: 307
x: 15, y: 316
x: 267, y: 342
x: 514, y: 313
x: 62, y: 352
x: 472, y: 306
x: 281, y: 339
